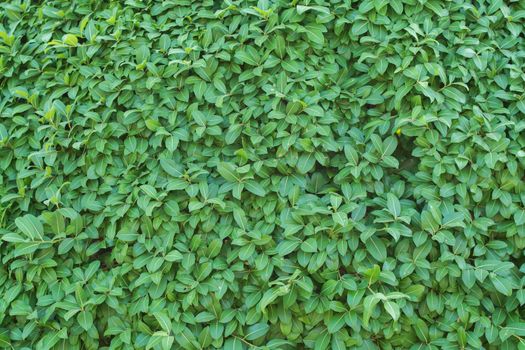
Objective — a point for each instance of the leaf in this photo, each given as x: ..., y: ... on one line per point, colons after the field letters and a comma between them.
x: 306, y: 163
x: 381, y: 66
x: 376, y: 248
x: 521, y: 106
x: 428, y: 222
x: 164, y: 42
x: 393, y: 309
x: 85, y: 319
x: 359, y: 27
x: 142, y: 54
x: 517, y: 328
x: 256, y: 331
x: 30, y: 226
x: 394, y: 207
x: 268, y: 297
x: 502, y: 285
x: 171, y: 167
x: 335, y: 323
x: 369, y: 305
x: 255, y: 188
x: 233, y: 344
x: 163, y: 320
x: 309, y: 246
x: 13, y: 237
x: 26, y: 248
x: 454, y: 94
x: 228, y: 172
x: 453, y: 220
x: 172, y: 256
x: 340, y: 218
x: 198, y: 116
x: 302, y: 9
x: 466, y: 52
x: 389, y: 146
x: 519, y: 217
x: 280, y: 46
x: 415, y: 291
x: 286, y: 247
x: 351, y: 155
x: 322, y: 341
x: 51, y: 339
x: 247, y: 57
x: 55, y: 220
x: 314, y: 32
x: 70, y: 39
x: 338, y: 343
x: 468, y: 278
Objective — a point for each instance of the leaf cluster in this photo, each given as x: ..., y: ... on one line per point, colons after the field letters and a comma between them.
x: 271, y: 174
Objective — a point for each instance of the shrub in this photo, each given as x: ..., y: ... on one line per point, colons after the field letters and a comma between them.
x: 275, y: 175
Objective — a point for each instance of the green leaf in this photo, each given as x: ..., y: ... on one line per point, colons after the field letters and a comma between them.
x: 228, y: 172
x: 255, y: 188
x: 286, y: 247
x: 428, y: 222
x: 13, y: 237
x: 340, y: 218
x: 30, y: 226
x: 453, y: 220
x: 517, y: 328
x: 172, y: 256
x: 322, y: 341
x: 305, y: 163
x: 519, y: 217
x: 381, y: 65
x: 338, y: 343
x: 314, y: 32
x: 369, y: 305
x: 55, y: 220
x: 394, y: 207
x: 85, y: 319
x: 171, y: 167
x: 393, y: 309
x: 164, y: 42
x: 280, y: 46
x: 389, y: 146
x: 51, y: 338
x: 248, y: 56
x: 163, y: 320
x: 359, y: 27
x: 521, y: 106
x: 309, y: 246
x: 336, y: 322
x: 502, y: 285
x: 233, y: 344
x: 198, y: 116
x: 26, y: 248
x: 256, y: 331
x: 454, y: 94
x: 376, y: 248
x: 351, y: 155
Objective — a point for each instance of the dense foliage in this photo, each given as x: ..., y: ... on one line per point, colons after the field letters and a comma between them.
x: 323, y: 174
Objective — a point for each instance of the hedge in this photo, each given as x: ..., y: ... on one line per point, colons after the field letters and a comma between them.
x: 272, y: 174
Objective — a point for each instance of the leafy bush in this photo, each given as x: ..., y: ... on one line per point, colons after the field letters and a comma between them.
x: 277, y: 174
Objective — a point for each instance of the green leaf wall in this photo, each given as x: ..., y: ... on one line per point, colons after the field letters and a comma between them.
x: 239, y: 174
